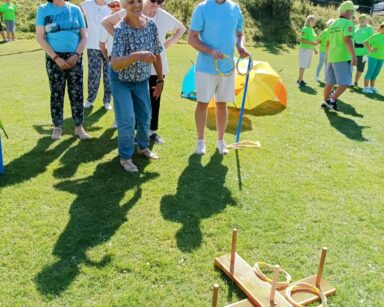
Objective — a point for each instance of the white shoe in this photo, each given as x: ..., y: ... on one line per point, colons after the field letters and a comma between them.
x: 107, y: 106
x: 56, y: 134
x: 368, y: 90
x: 114, y: 125
x: 200, y: 147
x: 88, y: 105
x: 222, y: 147
x: 128, y: 165
x: 374, y: 90
x: 81, y: 133
x: 148, y: 154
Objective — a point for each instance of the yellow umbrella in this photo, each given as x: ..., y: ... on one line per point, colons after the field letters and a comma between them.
x: 264, y: 85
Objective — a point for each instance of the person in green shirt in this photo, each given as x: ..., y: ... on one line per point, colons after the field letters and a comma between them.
x: 307, y: 46
x: 341, y: 56
x: 323, y: 40
x: 375, y: 46
x: 1, y: 28
x: 362, y: 32
x: 9, y: 10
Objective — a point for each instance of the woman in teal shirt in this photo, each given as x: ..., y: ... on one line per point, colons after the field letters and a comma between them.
x: 60, y: 31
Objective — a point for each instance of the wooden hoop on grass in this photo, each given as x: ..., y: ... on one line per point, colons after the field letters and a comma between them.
x: 279, y: 285
x: 304, y: 287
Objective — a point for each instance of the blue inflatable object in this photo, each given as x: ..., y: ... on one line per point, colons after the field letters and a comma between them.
x: 1, y: 159
x: 188, y: 90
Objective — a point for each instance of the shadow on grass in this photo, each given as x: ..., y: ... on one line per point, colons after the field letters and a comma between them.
x: 36, y: 161
x: 95, y: 216
x: 347, y: 109
x: 201, y: 193
x: 233, y: 119
x: 359, y: 90
x: 308, y: 90
x: 346, y: 126
x: 21, y: 52
x: 267, y: 108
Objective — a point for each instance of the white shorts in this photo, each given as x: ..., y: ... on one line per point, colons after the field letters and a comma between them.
x: 208, y: 85
x: 305, y: 57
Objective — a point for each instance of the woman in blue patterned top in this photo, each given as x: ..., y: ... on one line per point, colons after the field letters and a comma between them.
x: 60, y: 31
x: 136, y: 46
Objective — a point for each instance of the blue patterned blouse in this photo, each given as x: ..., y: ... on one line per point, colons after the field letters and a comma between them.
x: 128, y: 40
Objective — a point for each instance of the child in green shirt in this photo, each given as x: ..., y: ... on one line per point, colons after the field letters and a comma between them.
x: 307, y: 46
x: 323, y: 40
x: 375, y: 46
x: 362, y: 32
x: 9, y: 10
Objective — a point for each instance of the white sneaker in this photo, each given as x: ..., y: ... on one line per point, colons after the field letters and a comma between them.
x: 128, y: 165
x: 374, y: 90
x: 114, y: 125
x: 56, y: 134
x: 107, y: 106
x: 147, y: 153
x: 368, y: 90
x: 200, y: 147
x: 88, y: 105
x: 81, y: 133
x: 222, y: 147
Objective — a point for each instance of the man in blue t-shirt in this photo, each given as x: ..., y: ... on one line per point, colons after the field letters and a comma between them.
x: 216, y: 27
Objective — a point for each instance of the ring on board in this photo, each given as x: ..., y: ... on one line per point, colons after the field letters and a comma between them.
x: 304, y: 287
x: 279, y: 285
x: 249, y: 67
x: 224, y: 74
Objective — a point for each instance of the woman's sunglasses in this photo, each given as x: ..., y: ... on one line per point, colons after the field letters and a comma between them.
x: 112, y: 6
x: 159, y: 2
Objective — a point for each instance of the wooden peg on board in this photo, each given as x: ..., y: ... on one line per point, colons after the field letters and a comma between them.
x: 233, y: 250
x: 321, y: 266
x: 275, y: 279
x: 215, y: 295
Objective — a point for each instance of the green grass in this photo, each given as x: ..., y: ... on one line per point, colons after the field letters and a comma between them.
x: 76, y: 230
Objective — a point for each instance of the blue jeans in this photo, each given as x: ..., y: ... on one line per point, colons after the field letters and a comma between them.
x: 321, y: 63
x: 374, y: 68
x: 132, y: 103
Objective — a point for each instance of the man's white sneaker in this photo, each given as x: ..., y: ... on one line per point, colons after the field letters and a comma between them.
x: 88, y: 105
x: 368, y: 90
x: 148, y: 154
x: 81, y: 133
x: 128, y: 165
x: 107, y: 106
x: 222, y: 147
x: 56, y: 134
x: 200, y: 147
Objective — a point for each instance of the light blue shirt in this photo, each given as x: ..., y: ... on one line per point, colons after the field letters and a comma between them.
x: 218, y: 25
x: 62, y: 25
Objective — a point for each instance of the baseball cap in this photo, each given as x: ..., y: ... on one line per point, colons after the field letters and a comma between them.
x: 110, y: 1
x: 347, y: 6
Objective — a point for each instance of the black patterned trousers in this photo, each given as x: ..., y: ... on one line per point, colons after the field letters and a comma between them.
x: 96, y: 63
x: 58, y: 79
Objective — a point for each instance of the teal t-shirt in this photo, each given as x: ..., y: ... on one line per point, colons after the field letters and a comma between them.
x: 218, y: 25
x: 308, y: 34
x: 62, y: 25
x: 361, y: 35
x: 376, y: 41
x: 323, y: 38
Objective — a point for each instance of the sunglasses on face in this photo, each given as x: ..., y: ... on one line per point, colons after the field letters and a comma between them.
x: 159, y: 2
x: 112, y: 6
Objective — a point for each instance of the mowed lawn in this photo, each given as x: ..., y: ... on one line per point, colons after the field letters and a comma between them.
x: 75, y: 229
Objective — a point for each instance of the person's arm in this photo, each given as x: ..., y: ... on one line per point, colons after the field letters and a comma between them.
x: 178, y: 33
x: 369, y: 47
x: 195, y: 42
x: 160, y: 80
x: 240, y: 45
x: 350, y: 46
x: 307, y: 42
x: 110, y: 22
x: 40, y: 37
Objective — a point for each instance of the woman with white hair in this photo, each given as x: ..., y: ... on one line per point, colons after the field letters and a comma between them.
x: 136, y: 46
x: 323, y: 40
x: 307, y: 47
x: 166, y: 23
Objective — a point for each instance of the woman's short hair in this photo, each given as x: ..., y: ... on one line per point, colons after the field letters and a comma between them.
x: 309, y: 19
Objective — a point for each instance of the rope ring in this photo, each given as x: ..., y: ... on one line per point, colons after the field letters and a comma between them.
x: 249, y: 67
x: 304, y: 287
x: 279, y: 285
x: 224, y: 74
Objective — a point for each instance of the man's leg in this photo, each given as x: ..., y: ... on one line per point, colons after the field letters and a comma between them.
x: 201, y: 119
x: 221, y: 119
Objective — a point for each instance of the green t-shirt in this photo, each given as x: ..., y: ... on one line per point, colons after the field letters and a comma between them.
x: 309, y: 34
x: 376, y: 41
x: 9, y: 10
x: 361, y: 35
x: 338, y: 51
x: 323, y: 38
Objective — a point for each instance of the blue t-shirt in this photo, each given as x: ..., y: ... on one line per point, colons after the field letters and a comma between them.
x: 62, y: 25
x: 128, y: 40
x: 218, y: 25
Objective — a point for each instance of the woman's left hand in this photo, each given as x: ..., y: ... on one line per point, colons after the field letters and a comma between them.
x: 158, y: 89
x: 71, y: 61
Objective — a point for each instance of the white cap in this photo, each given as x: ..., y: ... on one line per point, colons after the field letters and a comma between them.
x: 110, y: 1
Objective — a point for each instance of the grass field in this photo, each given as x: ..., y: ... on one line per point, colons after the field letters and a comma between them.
x: 77, y: 230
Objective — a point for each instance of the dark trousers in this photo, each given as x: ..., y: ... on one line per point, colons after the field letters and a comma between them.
x: 155, y: 103
x: 58, y: 79
x: 96, y: 63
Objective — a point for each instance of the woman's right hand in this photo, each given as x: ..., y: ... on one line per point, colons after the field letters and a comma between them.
x: 145, y: 56
x: 62, y: 64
